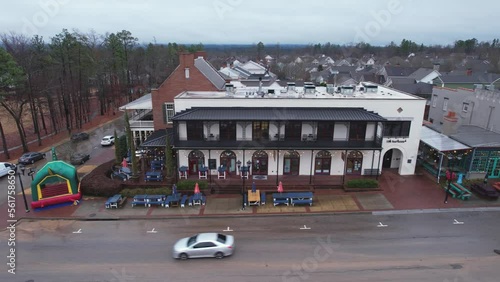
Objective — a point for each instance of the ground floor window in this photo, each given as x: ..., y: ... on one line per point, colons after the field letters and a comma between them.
x: 291, y: 163
x: 196, y: 159
x: 228, y: 161
x: 259, y: 163
x: 354, y: 162
x: 323, y: 163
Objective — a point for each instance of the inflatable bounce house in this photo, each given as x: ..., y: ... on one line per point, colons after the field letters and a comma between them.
x: 55, y: 183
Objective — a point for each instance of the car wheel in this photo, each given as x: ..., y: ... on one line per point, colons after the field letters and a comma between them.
x: 219, y: 255
x: 183, y: 256
x: 32, y: 161
x: 43, y: 156
x: 82, y: 162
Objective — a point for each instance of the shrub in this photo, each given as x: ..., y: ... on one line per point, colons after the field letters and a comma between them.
x: 362, y: 183
x: 188, y: 185
x: 98, y: 182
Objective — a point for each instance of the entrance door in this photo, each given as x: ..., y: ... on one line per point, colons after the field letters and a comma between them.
x: 291, y: 163
x: 228, y: 160
x: 323, y: 163
x: 195, y: 159
x: 354, y: 162
x: 193, y: 166
x: 387, y: 159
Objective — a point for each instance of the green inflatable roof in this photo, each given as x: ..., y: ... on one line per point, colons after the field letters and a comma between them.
x: 53, y: 172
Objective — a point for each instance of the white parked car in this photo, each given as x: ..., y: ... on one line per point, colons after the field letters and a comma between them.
x: 108, y: 140
x: 5, y: 168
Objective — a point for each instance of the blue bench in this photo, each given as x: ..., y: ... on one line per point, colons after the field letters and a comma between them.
x: 203, y: 200
x: 280, y: 201
x: 302, y: 201
x: 262, y: 198
x: 140, y: 200
x: 183, y: 200
x: 166, y: 203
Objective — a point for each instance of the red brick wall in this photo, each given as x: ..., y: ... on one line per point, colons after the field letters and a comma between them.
x: 177, y: 83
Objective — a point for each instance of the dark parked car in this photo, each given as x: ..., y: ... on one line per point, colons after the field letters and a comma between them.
x: 31, y: 157
x: 79, y: 158
x: 79, y: 136
x: 485, y: 190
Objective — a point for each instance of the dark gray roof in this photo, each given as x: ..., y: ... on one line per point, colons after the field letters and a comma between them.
x: 421, y: 73
x: 414, y: 88
x: 399, y: 71
x: 473, y: 136
x: 158, y: 138
x: 209, y: 72
x: 477, y: 137
x: 283, y: 114
x: 402, y: 80
x: 474, y: 78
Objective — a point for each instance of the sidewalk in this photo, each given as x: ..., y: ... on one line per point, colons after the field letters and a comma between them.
x: 399, y: 193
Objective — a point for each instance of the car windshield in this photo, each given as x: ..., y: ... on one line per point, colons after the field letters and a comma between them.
x: 221, y: 238
x: 191, y: 241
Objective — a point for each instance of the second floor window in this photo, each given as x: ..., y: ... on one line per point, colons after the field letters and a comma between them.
x: 169, y: 112
x: 445, y: 104
x: 397, y: 129
x: 357, y: 131
x: 434, y: 100
x: 325, y: 130
x: 194, y: 130
x: 228, y: 130
x: 260, y: 130
x: 293, y: 130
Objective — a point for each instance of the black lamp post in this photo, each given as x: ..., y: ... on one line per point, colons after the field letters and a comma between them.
x: 238, y: 163
x: 22, y: 168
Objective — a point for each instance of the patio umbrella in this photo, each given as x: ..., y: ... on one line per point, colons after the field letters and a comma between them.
x: 254, y: 189
x: 174, y: 190
x: 124, y: 162
x: 280, y: 187
x: 196, y: 188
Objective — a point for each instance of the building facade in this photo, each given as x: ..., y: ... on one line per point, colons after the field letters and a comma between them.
x: 351, y: 130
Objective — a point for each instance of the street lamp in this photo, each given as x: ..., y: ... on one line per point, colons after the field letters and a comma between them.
x: 22, y: 168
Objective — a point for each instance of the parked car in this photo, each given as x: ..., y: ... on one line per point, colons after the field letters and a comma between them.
x: 31, y: 157
x: 80, y: 136
x: 5, y: 168
x: 108, y: 140
x: 204, y: 245
x: 79, y: 158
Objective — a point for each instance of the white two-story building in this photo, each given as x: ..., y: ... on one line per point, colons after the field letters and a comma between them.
x: 298, y: 131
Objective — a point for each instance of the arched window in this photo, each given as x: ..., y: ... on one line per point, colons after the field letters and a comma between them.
x: 291, y: 163
x: 354, y: 162
x: 323, y: 163
x: 228, y: 160
x: 196, y: 159
x: 259, y: 163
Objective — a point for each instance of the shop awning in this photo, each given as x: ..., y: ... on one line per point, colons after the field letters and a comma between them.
x: 439, y: 141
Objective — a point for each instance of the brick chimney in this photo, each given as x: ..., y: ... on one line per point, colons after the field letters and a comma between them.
x: 186, y: 60
x: 449, y: 124
x: 198, y: 54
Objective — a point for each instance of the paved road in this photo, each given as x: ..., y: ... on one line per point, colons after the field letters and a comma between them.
x: 64, y: 151
x: 418, y: 247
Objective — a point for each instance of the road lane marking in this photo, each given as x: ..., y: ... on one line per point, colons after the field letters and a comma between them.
x: 79, y: 231
x: 381, y: 225
x: 152, y: 231
x: 457, y: 222
x: 228, y: 230
x: 305, y: 227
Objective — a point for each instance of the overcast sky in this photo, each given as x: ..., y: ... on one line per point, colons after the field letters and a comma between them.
x: 377, y: 22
